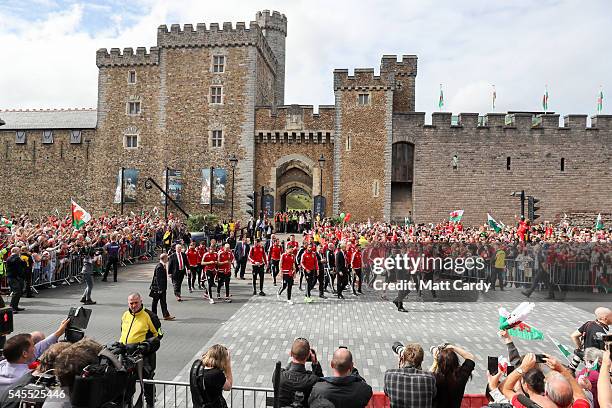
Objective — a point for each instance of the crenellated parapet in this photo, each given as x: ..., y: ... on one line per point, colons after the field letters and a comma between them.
x: 216, y: 36
x: 363, y: 79
x: 406, y: 66
x: 272, y: 21
x: 127, y: 57
x: 295, y: 117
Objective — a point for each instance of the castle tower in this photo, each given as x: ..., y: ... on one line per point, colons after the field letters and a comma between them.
x: 274, y: 28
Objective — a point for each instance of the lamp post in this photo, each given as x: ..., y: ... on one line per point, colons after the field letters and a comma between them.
x: 233, y: 162
x: 321, y: 165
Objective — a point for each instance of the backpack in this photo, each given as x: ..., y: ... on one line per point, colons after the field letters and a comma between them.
x: 197, y: 388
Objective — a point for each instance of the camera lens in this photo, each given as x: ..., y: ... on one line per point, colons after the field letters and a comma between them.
x: 397, y: 347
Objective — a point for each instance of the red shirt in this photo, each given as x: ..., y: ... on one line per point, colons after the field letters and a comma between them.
x: 228, y: 257
x: 286, y: 263
x: 210, y: 257
x: 193, y: 256
x: 309, y: 261
x: 292, y: 244
x: 257, y: 255
x: 275, y: 252
x: 201, y: 251
x: 356, y: 260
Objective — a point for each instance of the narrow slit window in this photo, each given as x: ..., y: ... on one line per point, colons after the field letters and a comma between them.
x: 508, y: 163
x: 563, y: 164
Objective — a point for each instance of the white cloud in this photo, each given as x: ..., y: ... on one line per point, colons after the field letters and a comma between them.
x: 516, y: 46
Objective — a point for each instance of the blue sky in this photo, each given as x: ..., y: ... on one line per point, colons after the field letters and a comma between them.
x: 49, y: 46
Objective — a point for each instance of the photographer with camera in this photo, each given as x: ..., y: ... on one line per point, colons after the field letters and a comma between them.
x: 409, y: 386
x: 140, y: 325
x: 20, y: 351
x: 590, y: 334
x: 88, y: 254
x: 451, y: 377
x: 345, y: 388
x: 43, y: 374
x: 296, y: 382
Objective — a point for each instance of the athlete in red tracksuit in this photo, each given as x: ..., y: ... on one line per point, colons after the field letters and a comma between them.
x: 225, y: 258
x: 257, y: 257
x: 287, y: 268
x: 209, y: 261
x: 194, y: 261
x: 356, y: 263
x: 201, y: 251
x: 310, y: 265
x: 274, y: 254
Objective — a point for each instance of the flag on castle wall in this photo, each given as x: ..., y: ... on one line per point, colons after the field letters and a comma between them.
x: 493, y: 224
x: 441, y: 100
x: 79, y: 216
x: 600, y: 98
x: 455, y: 216
x: 599, y: 223
x: 494, y: 97
x: 545, y: 99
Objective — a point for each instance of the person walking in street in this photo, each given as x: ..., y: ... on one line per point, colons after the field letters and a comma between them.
x: 112, y: 249
x: 209, y: 264
x: 159, y: 286
x: 177, y: 266
x: 258, y: 259
x: 87, y: 272
x: 15, y: 273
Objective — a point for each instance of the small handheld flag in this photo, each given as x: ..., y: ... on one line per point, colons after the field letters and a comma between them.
x: 455, y: 216
x: 493, y: 224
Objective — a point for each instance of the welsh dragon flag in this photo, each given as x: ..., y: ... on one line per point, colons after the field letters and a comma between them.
x: 79, y: 216
x: 455, y: 216
x: 515, y: 325
x: 5, y: 223
x: 599, y: 223
x: 497, y: 226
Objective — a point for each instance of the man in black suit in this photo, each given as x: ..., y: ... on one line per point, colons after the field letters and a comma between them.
x: 241, y: 254
x: 16, y: 273
x: 177, y: 266
x: 341, y: 269
x: 160, y: 283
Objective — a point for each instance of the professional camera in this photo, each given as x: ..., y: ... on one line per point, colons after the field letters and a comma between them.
x: 79, y: 319
x: 398, y: 348
x: 436, y: 349
x: 112, y: 381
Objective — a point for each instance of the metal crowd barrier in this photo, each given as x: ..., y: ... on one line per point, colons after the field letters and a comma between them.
x: 68, y: 270
x: 176, y: 394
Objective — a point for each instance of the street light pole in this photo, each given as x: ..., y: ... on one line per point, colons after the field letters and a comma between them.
x: 233, y: 162
x: 122, y: 188
x: 166, y: 198
x: 212, y: 186
x: 321, y: 165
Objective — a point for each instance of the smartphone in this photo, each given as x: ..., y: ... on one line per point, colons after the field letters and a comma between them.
x: 509, y: 370
x: 540, y: 358
x: 492, y: 365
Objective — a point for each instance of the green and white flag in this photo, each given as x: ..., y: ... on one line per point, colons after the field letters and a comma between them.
x: 599, y: 223
x: 497, y: 226
x: 80, y: 217
x: 563, y: 349
x: 455, y: 216
x: 600, y: 99
x: 441, y: 100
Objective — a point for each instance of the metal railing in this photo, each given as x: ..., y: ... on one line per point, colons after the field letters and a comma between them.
x: 176, y: 394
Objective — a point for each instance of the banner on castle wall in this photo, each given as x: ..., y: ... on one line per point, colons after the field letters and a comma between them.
x: 175, y: 185
x: 206, y: 193
x: 268, y: 205
x: 319, y: 205
x: 129, y: 186
x: 219, y: 186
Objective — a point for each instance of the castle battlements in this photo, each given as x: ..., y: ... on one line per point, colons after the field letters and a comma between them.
x: 128, y: 57
x: 216, y: 36
x: 363, y: 79
x: 406, y: 66
x: 295, y: 117
x: 272, y: 21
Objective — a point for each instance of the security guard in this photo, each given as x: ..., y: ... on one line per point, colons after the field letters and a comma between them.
x: 140, y: 325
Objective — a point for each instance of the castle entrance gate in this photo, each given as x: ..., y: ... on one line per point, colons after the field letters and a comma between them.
x: 296, y: 181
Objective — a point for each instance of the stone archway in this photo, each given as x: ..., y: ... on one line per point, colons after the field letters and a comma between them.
x: 292, y: 172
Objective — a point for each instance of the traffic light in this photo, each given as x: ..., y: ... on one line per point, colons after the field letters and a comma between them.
x: 533, y: 208
x: 251, y: 203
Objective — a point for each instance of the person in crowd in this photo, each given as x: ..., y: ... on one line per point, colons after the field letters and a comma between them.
x: 604, y: 391
x: 498, y: 267
x: 225, y: 259
x: 341, y: 269
x: 451, y: 378
x: 177, y: 267
x: 216, y: 376
x: 241, y: 254
x: 27, y: 258
x: 409, y: 386
x: 20, y: 351
x: 15, y: 273
x: 589, y: 375
x: 590, y: 334
x: 310, y: 266
x: 258, y: 260
x: 192, y: 270
x: 296, y: 382
x: 345, y: 388
x: 159, y: 285
x: 112, y: 249
x: 287, y: 270
x: 274, y: 254
x: 209, y: 265
x: 140, y: 325
x: 356, y: 264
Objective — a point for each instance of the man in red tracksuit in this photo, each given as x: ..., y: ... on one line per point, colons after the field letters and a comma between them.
x: 287, y: 268
x: 258, y: 259
x: 356, y: 263
x: 310, y: 265
x: 209, y: 262
x: 274, y: 254
x: 292, y: 243
x: 194, y: 261
x: 201, y: 251
x: 225, y: 257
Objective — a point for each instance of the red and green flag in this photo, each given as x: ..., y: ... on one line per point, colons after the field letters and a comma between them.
x: 5, y: 222
x: 600, y: 99
x: 80, y: 217
x: 545, y: 99
x: 599, y: 223
x: 514, y: 322
x: 455, y: 216
x: 441, y: 100
x: 565, y: 350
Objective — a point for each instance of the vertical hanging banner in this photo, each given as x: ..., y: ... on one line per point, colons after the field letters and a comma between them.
x: 268, y: 205
x: 129, y: 186
x: 319, y: 205
x: 206, y: 187
x: 175, y: 185
x: 219, y: 184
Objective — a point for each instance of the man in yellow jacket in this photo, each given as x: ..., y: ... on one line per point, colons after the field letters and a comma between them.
x: 140, y: 325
